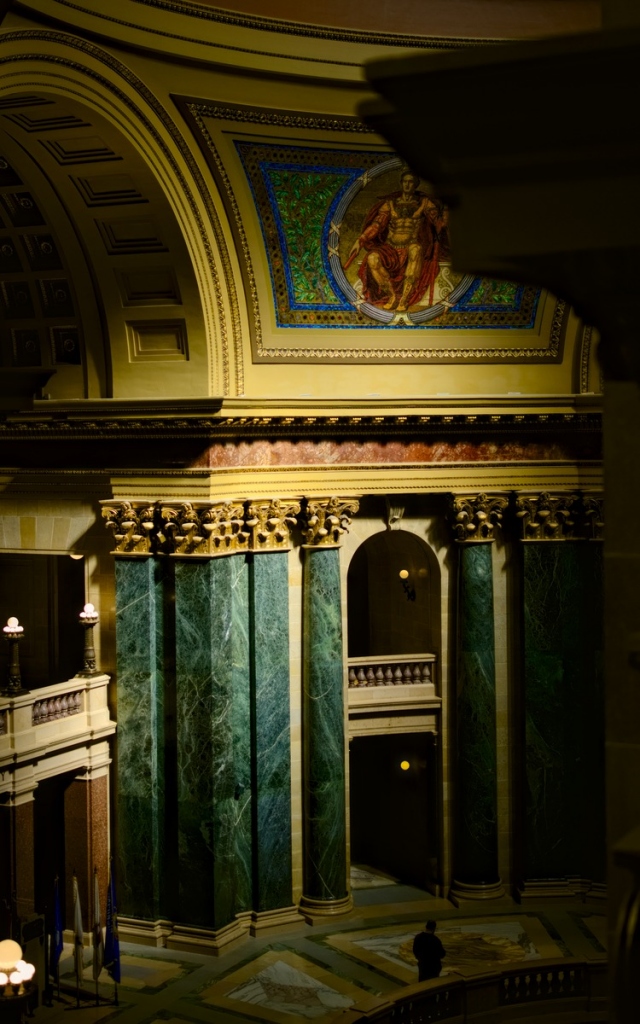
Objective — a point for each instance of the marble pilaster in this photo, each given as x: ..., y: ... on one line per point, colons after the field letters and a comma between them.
x: 476, y: 829
x: 140, y: 797
x: 325, y: 851
x: 213, y: 739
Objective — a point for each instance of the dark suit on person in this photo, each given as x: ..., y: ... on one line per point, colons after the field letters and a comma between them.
x: 428, y: 951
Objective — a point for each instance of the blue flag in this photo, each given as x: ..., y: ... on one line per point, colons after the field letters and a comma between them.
x: 56, y: 935
x: 111, y: 960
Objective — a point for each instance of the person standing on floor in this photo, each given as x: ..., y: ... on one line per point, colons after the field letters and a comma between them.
x: 428, y: 951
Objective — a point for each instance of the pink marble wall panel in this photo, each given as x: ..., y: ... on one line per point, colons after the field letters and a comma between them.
x: 311, y: 453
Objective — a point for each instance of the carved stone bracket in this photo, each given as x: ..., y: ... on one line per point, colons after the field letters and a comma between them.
x: 132, y: 523
x: 203, y: 529
x: 593, y: 512
x: 474, y: 517
x: 546, y: 516
x: 270, y: 523
x: 324, y: 520
x: 395, y: 512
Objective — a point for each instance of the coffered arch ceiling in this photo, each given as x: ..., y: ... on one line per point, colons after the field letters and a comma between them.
x: 110, y: 257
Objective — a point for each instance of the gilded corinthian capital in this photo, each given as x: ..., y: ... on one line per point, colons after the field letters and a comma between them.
x: 474, y: 517
x: 132, y: 523
x: 593, y: 513
x: 546, y: 516
x: 270, y: 523
x: 324, y: 520
x: 203, y: 529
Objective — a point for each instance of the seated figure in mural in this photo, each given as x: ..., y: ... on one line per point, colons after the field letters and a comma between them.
x: 405, y: 237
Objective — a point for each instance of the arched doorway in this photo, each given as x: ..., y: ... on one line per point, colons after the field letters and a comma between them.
x: 393, y: 599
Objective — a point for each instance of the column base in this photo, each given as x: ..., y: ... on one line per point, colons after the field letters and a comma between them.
x: 205, y: 940
x: 144, y: 933
x: 462, y: 892
x: 271, y: 922
x: 316, y: 911
x: 545, y: 889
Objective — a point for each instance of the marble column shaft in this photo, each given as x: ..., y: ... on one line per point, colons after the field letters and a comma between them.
x: 213, y: 739
x: 564, y: 710
x: 142, y: 881
x: 325, y: 862
x: 476, y: 854
x: 269, y: 590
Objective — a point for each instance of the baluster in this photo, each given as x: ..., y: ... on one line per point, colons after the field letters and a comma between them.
x: 361, y: 677
x: 516, y: 985
x: 506, y: 984
x: 371, y: 677
x: 379, y: 676
x: 407, y: 674
x: 527, y: 984
x: 397, y: 675
x: 388, y: 675
x: 539, y: 984
x: 417, y: 673
x: 352, y: 677
x: 57, y: 708
x: 426, y: 672
x: 64, y: 705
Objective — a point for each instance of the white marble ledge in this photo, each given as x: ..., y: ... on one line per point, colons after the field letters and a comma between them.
x: 24, y: 735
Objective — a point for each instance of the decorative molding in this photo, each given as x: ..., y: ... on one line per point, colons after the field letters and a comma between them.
x: 394, y: 512
x: 546, y: 516
x: 270, y: 522
x: 132, y: 524
x: 203, y: 529
x: 593, y: 513
x: 474, y: 517
x: 324, y: 520
x: 278, y: 119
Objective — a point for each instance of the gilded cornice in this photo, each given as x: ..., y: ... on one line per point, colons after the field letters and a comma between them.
x: 474, y: 517
x: 202, y: 529
x: 132, y: 523
x: 324, y: 520
x: 547, y: 516
x: 270, y: 523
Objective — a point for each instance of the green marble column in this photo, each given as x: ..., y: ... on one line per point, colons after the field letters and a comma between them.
x: 476, y: 848
x: 564, y: 711
x: 213, y: 739
x: 476, y: 874
x: 325, y: 849
x: 142, y: 881
x: 269, y: 588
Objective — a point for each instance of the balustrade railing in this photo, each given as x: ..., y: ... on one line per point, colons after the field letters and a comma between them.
x: 53, y: 716
x: 389, y: 670
x: 572, y: 987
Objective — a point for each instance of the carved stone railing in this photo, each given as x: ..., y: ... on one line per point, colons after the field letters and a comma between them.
x: 570, y: 987
x: 392, y: 670
x: 53, y: 717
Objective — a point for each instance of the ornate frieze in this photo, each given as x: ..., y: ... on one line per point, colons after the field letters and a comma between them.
x: 593, y: 513
x: 270, y: 523
x: 547, y: 516
x: 324, y: 520
x: 203, y: 529
x: 132, y: 523
x: 474, y: 517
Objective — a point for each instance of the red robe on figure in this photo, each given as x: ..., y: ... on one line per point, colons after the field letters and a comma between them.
x: 432, y: 238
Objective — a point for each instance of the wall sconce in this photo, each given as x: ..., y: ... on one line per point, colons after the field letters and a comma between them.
x: 88, y: 619
x: 13, y: 634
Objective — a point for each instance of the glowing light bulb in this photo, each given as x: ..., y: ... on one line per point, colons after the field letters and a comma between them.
x: 405, y: 766
x: 403, y: 574
x: 89, y: 609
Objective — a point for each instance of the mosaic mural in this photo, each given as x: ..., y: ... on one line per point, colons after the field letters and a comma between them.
x: 355, y: 239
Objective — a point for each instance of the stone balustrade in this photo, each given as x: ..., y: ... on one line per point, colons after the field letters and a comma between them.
x: 392, y: 670
x: 53, y: 718
x: 567, y: 989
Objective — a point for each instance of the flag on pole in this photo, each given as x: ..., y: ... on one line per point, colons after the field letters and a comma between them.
x: 78, y: 937
x: 98, y: 948
x: 56, y: 935
x: 112, y: 942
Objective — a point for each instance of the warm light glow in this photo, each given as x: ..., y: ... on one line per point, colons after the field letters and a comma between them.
x: 4, y: 979
x: 405, y: 766
x: 75, y: 556
x: 403, y: 574
x: 10, y: 953
x: 12, y: 626
x: 89, y: 609
x: 15, y: 978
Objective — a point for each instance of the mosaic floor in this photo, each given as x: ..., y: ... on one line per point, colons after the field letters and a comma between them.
x: 316, y: 973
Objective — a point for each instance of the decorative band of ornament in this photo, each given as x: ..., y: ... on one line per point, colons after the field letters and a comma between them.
x: 324, y: 520
x: 474, y: 517
x: 60, y: 706
x: 390, y: 671
x: 210, y: 529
